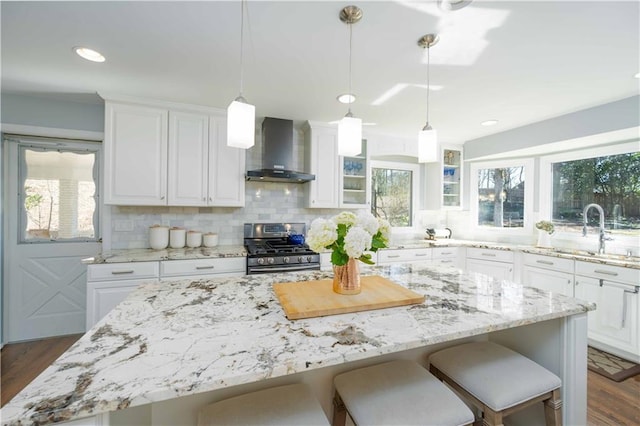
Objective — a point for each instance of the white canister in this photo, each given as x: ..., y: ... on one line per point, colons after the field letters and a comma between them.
x: 177, y: 237
x: 210, y: 239
x: 194, y: 239
x: 158, y: 237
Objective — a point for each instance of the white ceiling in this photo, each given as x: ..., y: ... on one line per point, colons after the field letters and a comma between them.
x: 518, y: 62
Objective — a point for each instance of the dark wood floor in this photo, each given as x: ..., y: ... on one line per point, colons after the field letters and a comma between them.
x: 609, y: 403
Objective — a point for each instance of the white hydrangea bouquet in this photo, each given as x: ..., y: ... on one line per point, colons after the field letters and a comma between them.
x: 348, y: 235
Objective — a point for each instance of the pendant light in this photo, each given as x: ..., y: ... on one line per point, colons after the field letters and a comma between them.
x: 241, y: 116
x: 428, y: 138
x: 350, y: 128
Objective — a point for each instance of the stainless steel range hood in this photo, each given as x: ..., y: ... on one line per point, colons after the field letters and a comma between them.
x: 277, y: 154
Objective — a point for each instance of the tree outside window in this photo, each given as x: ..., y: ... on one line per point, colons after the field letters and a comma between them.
x: 391, y: 192
x: 501, y: 197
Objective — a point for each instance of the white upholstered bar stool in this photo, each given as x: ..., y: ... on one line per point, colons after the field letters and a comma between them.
x: 396, y: 393
x: 283, y: 405
x: 498, y: 381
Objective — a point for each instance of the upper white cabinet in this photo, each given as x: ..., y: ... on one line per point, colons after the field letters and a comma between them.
x: 135, y: 149
x: 170, y: 154
x: 355, y: 181
x: 444, y: 180
x: 380, y: 145
x: 322, y: 160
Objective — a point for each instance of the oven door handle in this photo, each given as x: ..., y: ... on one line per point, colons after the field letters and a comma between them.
x: 285, y: 268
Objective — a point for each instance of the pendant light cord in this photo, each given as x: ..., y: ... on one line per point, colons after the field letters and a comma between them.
x: 350, y: 50
x: 428, y: 86
x: 241, y: 47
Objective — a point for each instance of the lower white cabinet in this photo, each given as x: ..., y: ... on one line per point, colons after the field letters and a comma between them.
x: 109, y: 284
x: 202, y: 268
x: 615, y: 324
x: 548, y: 273
x: 495, y: 263
x: 386, y: 257
x: 451, y: 256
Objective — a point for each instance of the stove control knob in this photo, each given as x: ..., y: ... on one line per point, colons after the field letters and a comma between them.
x: 301, y: 259
x: 261, y: 261
x: 285, y: 260
x: 308, y: 258
x: 270, y: 261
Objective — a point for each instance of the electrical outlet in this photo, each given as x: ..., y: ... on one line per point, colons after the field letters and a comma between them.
x: 123, y: 225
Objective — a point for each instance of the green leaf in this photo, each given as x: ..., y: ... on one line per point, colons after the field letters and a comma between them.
x: 338, y: 258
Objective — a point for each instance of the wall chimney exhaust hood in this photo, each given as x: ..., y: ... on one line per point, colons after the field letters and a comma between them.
x: 277, y: 154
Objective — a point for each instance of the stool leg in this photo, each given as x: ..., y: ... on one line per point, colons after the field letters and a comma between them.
x: 553, y: 409
x: 339, y: 411
x: 491, y: 418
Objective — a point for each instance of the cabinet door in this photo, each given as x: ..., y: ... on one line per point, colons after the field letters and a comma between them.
x: 323, y: 162
x: 498, y: 270
x: 545, y: 279
x: 355, y: 181
x: 103, y: 296
x: 135, y: 155
x: 188, y: 159
x: 622, y: 335
x: 444, y: 180
x: 226, y: 167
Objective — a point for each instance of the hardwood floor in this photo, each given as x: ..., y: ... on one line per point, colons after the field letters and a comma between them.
x: 609, y: 403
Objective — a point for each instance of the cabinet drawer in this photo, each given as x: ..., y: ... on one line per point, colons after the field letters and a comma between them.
x: 404, y: 255
x: 549, y: 262
x: 608, y: 272
x: 446, y: 252
x: 489, y: 254
x: 176, y: 268
x: 122, y: 271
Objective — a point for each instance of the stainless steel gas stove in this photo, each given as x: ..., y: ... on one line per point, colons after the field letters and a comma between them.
x: 276, y: 247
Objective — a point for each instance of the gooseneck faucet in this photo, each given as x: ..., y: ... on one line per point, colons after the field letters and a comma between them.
x: 602, y: 236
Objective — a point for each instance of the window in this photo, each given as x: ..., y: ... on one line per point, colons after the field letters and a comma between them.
x: 57, y: 192
x: 501, y: 194
x: 611, y: 181
x: 393, y: 190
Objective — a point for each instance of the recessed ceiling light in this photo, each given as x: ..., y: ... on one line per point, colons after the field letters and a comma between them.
x: 89, y: 54
x: 346, y: 98
x: 489, y: 123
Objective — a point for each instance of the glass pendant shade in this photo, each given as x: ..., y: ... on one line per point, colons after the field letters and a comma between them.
x: 241, y: 124
x: 349, y: 136
x: 427, y: 146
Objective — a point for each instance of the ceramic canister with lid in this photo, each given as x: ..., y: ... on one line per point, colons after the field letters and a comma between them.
x: 194, y: 239
x: 210, y: 239
x: 158, y: 237
x: 177, y: 237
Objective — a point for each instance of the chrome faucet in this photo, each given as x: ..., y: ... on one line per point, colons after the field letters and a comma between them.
x: 602, y: 236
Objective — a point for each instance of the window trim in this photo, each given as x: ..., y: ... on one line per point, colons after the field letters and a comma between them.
x: 546, y: 178
x: 47, y: 144
x: 415, y: 182
x: 529, y: 189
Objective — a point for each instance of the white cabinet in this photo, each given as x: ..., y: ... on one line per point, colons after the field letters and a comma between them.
x: 202, y: 268
x: 355, y: 181
x: 444, y: 180
x: 389, y: 256
x: 495, y: 263
x: 615, y: 324
x: 380, y: 145
x: 170, y: 154
x: 322, y: 160
x: 548, y: 273
x: 109, y: 284
x: 135, y: 154
x: 451, y: 256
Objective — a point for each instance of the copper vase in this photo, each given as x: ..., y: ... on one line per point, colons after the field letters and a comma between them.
x: 346, y: 278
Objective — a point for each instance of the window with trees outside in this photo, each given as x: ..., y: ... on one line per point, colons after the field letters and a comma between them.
x: 611, y: 181
x: 392, y: 192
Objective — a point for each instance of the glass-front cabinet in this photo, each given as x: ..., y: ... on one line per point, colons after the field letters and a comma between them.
x: 355, y: 183
x: 444, y: 179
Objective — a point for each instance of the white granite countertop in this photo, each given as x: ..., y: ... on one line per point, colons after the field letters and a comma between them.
x: 150, y: 255
x: 172, y: 339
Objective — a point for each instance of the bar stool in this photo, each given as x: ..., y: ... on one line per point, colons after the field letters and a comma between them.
x: 498, y: 381
x: 397, y: 392
x: 283, y: 405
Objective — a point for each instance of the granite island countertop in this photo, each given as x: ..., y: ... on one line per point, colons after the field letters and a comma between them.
x: 191, y: 336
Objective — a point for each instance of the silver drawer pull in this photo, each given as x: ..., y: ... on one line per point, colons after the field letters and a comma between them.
x: 544, y: 262
x: 393, y: 255
x: 489, y: 254
x: 420, y: 254
x: 445, y: 253
x: 204, y: 267
x: 130, y: 271
x: 446, y: 261
x: 600, y: 271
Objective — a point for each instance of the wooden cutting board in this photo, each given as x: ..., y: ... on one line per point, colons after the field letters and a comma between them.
x: 308, y: 299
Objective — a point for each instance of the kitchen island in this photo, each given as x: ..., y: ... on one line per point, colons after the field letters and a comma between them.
x: 172, y: 347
